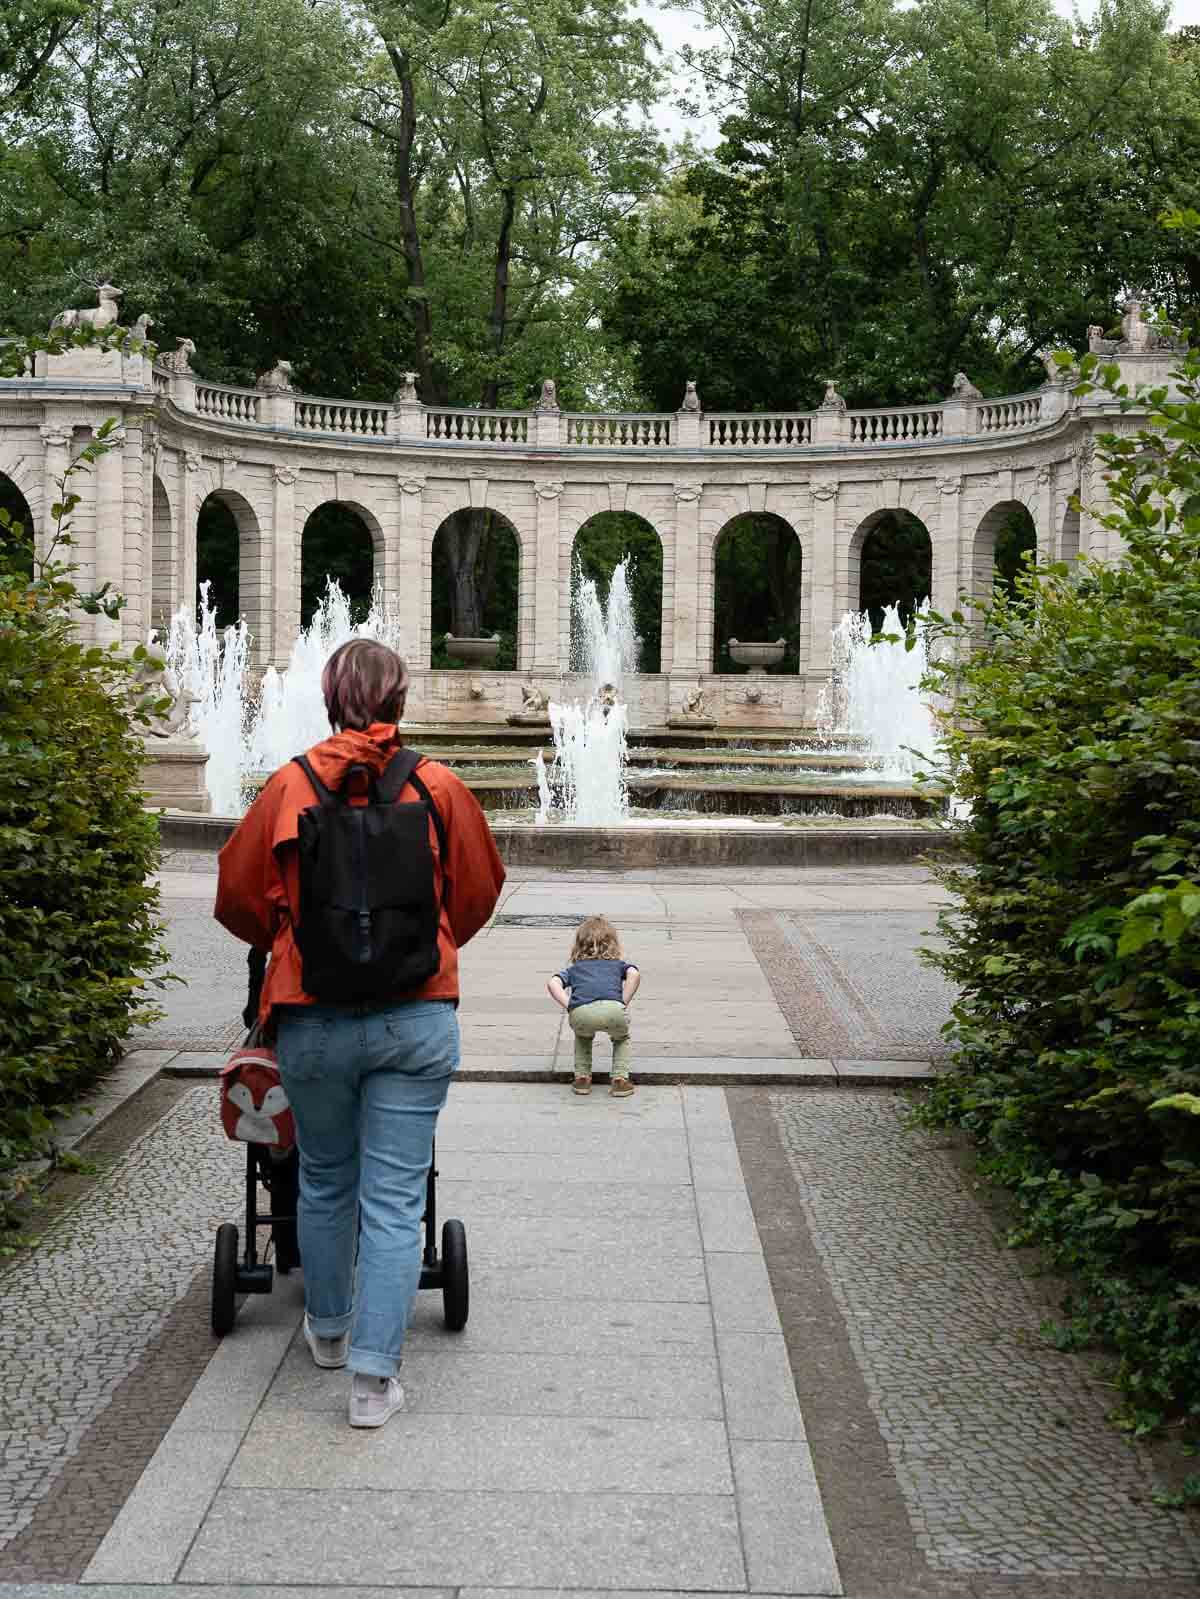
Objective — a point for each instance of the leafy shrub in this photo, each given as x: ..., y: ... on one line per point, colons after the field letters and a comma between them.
x: 1076, y: 939
x: 79, y: 929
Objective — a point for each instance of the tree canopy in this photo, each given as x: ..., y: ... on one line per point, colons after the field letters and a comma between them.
x: 903, y: 192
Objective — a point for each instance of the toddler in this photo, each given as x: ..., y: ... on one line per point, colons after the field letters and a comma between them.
x: 595, y: 990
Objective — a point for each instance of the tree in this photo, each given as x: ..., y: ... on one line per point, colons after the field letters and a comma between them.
x: 902, y: 193
x: 512, y: 156
x: 31, y: 34
x: 204, y: 157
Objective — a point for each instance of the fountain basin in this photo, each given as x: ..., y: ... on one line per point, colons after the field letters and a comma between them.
x: 475, y: 651
x: 757, y: 655
x: 650, y: 843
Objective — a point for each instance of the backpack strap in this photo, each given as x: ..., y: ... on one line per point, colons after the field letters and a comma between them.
x: 395, y: 774
x: 402, y: 769
x: 325, y: 795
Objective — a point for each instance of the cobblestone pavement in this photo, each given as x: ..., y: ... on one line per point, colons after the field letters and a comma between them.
x: 850, y: 984
x: 80, y: 1311
x: 998, y: 1443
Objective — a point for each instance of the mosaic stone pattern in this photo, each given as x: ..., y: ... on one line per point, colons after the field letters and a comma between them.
x: 998, y: 1443
x: 80, y: 1311
x: 850, y: 983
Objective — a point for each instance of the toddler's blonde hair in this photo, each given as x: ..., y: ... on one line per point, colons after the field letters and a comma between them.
x: 596, y: 940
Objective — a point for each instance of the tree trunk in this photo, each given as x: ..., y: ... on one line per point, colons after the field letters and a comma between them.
x: 466, y: 536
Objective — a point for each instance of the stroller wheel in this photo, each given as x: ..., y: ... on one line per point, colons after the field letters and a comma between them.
x: 224, y: 1279
x: 456, y: 1289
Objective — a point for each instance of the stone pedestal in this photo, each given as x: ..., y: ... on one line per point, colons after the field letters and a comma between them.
x: 173, y: 774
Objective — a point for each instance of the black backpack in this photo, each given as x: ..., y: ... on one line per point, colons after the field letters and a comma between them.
x: 368, y: 912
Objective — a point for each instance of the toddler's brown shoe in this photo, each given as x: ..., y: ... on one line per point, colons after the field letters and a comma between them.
x: 582, y: 1085
x: 621, y: 1087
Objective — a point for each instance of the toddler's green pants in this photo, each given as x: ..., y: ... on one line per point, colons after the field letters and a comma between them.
x: 601, y: 1016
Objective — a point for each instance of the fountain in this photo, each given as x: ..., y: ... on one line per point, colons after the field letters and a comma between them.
x: 875, y: 695
x: 249, y: 731
x: 586, y: 782
x: 671, y: 794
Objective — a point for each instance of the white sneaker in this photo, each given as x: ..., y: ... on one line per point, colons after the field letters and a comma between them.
x: 328, y: 1352
x: 374, y: 1400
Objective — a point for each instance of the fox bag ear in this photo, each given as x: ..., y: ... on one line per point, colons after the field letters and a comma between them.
x: 254, y: 1104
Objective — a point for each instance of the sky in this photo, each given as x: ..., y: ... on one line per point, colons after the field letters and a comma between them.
x: 677, y: 27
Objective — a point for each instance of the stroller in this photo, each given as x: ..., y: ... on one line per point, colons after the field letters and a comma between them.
x: 277, y: 1170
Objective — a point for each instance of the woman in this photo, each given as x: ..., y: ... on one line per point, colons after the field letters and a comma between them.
x: 366, y: 1081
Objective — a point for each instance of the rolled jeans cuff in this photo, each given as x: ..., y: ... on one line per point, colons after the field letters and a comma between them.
x: 331, y: 1326
x: 371, y: 1363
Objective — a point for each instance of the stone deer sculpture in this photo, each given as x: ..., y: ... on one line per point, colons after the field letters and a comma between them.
x: 95, y: 317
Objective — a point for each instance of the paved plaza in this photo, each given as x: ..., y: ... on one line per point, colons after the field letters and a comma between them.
x: 745, y: 1333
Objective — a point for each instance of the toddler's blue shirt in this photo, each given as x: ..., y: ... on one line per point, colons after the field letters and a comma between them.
x: 593, y: 980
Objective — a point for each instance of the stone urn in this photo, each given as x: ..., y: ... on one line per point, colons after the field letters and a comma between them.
x: 757, y: 656
x: 475, y: 651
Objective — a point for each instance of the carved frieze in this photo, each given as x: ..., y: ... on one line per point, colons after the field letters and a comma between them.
x: 548, y: 491
x: 688, y: 493
x: 410, y: 483
x: 284, y: 475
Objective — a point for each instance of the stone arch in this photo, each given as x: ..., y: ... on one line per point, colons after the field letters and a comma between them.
x: 229, y: 544
x: 24, y: 498
x: 890, y: 562
x: 498, y: 561
x: 342, y: 540
x: 1005, y: 531
x: 609, y: 536
x: 763, y: 598
x: 163, y: 558
x: 15, y: 503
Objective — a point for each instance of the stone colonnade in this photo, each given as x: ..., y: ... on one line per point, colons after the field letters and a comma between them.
x: 274, y: 457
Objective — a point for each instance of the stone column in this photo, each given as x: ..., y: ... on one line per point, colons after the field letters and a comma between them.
x: 824, y: 610
x: 947, y: 548
x: 57, y: 442
x: 1043, y: 512
x: 188, y: 511
x: 546, y: 590
x: 409, y: 567
x: 685, y: 599
x: 281, y: 604
x: 137, y: 545
x: 110, y: 529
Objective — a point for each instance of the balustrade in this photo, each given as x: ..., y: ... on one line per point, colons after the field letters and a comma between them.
x: 478, y: 427
x: 1006, y: 416
x: 315, y: 415
x: 895, y: 427
x: 734, y: 428
x: 226, y: 404
x: 718, y: 430
x: 599, y: 431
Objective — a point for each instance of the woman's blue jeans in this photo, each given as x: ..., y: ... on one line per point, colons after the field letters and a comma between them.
x: 366, y: 1085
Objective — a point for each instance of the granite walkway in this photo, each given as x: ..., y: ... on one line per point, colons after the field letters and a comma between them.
x: 737, y: 1339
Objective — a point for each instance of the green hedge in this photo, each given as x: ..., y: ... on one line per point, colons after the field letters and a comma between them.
x: 1076, y: 941
x: 79, y: 928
